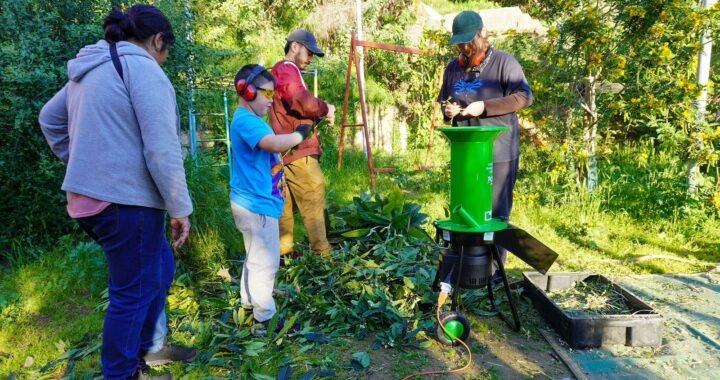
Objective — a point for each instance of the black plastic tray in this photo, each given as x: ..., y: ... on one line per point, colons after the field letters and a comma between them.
x: 643, y: 328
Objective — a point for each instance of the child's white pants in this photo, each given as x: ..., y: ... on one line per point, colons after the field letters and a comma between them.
x: 261, y: 236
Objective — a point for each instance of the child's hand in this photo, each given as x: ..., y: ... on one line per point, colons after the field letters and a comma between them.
x: 305, y: 130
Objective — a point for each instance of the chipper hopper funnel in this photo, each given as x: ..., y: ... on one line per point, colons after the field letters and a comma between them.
x: 471, y: 175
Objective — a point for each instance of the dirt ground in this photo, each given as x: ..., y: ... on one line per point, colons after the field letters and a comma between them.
x: 498, y: 352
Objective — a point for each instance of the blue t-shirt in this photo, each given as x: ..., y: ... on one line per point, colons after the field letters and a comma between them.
x: 258, y: 182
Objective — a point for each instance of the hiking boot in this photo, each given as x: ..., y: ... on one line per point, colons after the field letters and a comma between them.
x: 140, y: 375
x: 170, y: 353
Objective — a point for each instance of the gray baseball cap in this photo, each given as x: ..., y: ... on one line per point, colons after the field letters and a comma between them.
x: 307, y: 39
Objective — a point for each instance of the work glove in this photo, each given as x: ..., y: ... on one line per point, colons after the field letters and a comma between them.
x: 305, y: 130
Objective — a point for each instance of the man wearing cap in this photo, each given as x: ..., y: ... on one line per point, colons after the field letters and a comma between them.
x: 484, y: 87
x: 293, y: 105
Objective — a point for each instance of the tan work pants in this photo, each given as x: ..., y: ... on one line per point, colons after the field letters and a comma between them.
x: 306, y: 190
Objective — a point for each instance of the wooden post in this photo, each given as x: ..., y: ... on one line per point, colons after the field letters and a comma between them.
x: 345, y: 102
x: 371, y: 165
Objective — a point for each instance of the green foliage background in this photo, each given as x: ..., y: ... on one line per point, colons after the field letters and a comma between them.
x: 650, y: 48
x: 37, y: 39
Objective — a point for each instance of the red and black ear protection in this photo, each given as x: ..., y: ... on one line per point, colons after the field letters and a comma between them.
x: 245, y: 88
x: 468, y: 63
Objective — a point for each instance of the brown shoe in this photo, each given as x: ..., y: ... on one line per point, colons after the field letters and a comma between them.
x: 170, y: 353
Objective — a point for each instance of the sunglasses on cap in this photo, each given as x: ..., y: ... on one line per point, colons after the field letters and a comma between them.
x: 267, y: 92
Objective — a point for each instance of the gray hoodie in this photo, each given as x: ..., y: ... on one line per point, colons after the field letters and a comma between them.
x: 120, y: 141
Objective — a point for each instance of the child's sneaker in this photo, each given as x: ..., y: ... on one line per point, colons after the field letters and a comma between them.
x: 262, y: 327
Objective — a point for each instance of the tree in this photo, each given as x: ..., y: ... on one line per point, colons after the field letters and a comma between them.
x: 645, y: 50
x: 36, y: 40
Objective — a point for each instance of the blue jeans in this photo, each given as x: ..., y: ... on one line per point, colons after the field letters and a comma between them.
x: 161, y: 331
x: 141, y: 267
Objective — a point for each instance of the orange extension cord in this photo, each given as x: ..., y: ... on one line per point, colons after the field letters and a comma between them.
x: 441, y: 301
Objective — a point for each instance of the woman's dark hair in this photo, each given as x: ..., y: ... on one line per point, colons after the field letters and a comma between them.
x: 139, y: 22
x: 245, y: 71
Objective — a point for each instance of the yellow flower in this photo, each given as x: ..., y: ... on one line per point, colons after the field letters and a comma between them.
x: 665, y: 17
x: 715, y: 200
x: 665, y: 53
x: 621, y: 61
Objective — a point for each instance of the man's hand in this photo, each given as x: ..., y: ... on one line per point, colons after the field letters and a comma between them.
x: 330, y: 114
x: 452, y: 110
x: 179, y: 230
x: 474, y: 109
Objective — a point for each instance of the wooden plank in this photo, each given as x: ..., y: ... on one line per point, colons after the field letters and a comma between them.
x: 395, y: 48
x: 563, y: 355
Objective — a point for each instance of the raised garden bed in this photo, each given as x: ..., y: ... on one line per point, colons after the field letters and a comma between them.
x: 588, y: 310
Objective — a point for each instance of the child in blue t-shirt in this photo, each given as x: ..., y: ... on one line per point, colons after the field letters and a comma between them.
x: 257, y: 187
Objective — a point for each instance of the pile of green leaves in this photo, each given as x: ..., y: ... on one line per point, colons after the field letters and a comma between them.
x: 377, y: 283
x: 380, y: 278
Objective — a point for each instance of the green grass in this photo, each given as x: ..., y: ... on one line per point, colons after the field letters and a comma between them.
x: 53, y: 304
x: 48, y: 306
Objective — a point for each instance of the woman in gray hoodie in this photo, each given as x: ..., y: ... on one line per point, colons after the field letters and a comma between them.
x: 115, y: 125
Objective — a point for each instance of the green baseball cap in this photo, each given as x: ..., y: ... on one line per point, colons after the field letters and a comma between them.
x: 465, y: 26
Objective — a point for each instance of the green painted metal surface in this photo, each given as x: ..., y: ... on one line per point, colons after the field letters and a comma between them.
x: 454, y: 330
x: 471, y: 173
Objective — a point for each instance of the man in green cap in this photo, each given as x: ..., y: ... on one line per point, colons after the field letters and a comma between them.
x: 482, y: 87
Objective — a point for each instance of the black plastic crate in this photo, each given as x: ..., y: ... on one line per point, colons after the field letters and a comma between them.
x: 642, y: 328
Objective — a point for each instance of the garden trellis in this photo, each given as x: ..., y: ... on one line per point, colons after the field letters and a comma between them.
x: 202, y: 116
x: 354, y: 59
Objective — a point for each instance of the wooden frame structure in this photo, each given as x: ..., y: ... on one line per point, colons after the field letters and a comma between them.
x: 353, y: 58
